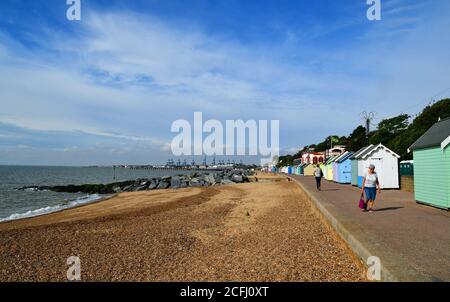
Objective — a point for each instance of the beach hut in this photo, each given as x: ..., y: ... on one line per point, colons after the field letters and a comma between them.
x: 324, y: 169
x: 309, y: 170
x: 386, y: 164
x: 335, y: 166
x: 344, y: 169
x: 431, y: 153
x: 300, y: 169
x: 328, y: 171
x: 289, y: 170
x: 303, y: 168
x: 357, y: 168
x: 407, y: 168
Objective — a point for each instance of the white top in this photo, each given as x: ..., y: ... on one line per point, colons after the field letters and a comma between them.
x: 371, y: 180
x: 318, y: 172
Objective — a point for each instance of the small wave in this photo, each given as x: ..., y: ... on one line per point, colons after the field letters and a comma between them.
x: 51, y: 209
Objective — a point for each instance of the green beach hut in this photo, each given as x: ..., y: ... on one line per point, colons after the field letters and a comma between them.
x: 407, y: 168
x: 302, y: 168
x: 431, y: 154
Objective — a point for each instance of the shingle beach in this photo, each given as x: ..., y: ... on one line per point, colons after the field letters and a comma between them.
x: 264, y: 231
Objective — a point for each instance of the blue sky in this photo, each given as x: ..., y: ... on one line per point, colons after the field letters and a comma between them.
x: 106, y: 89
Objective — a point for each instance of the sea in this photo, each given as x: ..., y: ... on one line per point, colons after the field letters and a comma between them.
x: 16, y: 204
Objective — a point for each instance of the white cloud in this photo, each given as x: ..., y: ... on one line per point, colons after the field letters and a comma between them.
x: 128, y: 76
x: 188, y: 71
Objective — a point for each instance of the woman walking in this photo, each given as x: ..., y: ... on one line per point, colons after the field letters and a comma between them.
x: 318, y: 175
x: 370, y: 185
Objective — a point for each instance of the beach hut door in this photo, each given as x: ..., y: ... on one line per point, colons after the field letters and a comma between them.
x: 378, y: 168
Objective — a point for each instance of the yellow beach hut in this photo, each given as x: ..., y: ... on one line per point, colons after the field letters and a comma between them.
x: 324, y: 169
x: 309, y: 170
x: 329, y: 168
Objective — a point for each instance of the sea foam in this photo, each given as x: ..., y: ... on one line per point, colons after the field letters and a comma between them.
x: 51, y: 209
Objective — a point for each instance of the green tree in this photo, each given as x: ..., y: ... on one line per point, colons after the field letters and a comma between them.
x: 389, y: 128
x: 326, y: 144
x: 357, y: 139
x: 394, y: 132
x: 286, y: 160
x: 429, y: 116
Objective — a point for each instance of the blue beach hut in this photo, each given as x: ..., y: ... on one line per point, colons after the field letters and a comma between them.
x: 289, y: 170
x: 344, y: 169
x: 335, y: 166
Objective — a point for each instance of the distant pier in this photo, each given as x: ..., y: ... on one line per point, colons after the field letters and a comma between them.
x: 177, y: 168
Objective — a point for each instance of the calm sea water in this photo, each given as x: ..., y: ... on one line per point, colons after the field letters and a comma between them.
x: 16, y: 204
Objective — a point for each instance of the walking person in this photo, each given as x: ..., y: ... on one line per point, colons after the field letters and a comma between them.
x: 318, y: 175
x: 370, y: 185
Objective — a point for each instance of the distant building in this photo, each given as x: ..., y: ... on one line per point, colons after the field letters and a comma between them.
x: 336, y: 150
x: 271, y: 166
x: 311, y: 157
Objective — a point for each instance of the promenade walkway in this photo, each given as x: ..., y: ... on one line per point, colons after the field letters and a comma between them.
x: 411, y: 240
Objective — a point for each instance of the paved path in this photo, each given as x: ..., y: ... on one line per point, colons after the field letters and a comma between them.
x: 412, y: 240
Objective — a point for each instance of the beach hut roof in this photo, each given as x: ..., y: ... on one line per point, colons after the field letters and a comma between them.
x: 407, y: 162
x: 331, y: 159
x: 369, y: 151
x: 334, y: 158
x: 346, y: 156
x: 339, y: 157
x: 365, y: 152
x: 437, y: 135
x: 356, y: 155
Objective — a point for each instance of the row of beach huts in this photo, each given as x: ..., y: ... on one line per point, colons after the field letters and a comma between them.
x: 349, y: 167
x: 430, y: 168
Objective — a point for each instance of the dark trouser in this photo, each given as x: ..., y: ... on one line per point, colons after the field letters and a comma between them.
x: 318, y: 181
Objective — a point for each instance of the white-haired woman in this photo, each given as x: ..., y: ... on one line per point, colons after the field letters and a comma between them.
x: 370, y: 185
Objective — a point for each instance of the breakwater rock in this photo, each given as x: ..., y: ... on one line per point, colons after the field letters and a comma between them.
x: 197, y: 179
